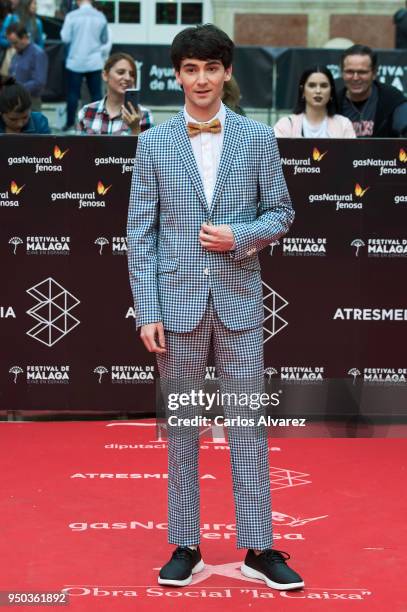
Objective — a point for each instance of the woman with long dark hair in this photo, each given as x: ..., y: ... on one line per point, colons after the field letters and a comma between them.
x: 315, y: 113
x: 25, y: 13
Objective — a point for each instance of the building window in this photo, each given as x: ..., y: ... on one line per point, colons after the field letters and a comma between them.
x: 129, y: 12
x: 166, y: 13
x: 107, y: 9
x: 118, y: 11
x: 191, y: 13
x: 177, y: 13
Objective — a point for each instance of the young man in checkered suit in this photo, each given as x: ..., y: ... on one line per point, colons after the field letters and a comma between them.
x: 207, y: 194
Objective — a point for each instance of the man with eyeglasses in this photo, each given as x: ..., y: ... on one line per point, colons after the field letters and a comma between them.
x: 376, y: 110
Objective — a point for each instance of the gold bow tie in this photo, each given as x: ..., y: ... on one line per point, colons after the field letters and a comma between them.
x: 214, y: 127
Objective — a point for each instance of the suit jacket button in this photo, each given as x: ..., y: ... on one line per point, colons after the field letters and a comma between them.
x: 206, y: 271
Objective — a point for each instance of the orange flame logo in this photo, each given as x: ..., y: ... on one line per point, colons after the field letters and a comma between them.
x: 15, y: 189
x: 101, y: 189
x: 58, y: 154
x: 316, y: 155
x: 359, y: 191
x: 402, y: 155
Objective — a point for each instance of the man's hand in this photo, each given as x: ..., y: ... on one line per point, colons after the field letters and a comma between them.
x: 153, y: 338
x: 216, y: 237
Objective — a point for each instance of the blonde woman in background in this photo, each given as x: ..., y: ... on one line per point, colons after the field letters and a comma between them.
x: 110, y: 115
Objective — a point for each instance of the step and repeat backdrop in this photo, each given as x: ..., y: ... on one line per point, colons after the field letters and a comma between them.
x: 268, y: 76
x: 335, y: 300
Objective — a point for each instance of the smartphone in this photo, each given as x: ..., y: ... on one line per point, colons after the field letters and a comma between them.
x: 133, y: 96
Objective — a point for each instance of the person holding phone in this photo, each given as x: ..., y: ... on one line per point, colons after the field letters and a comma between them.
x: 118, y: 113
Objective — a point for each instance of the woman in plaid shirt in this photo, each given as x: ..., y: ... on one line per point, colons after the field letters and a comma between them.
x: 109, y: 115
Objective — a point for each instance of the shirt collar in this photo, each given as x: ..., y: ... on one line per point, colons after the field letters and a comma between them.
x: 25, y: 49
x: 102, y: 109
x: 102, y: 105
x: 221, y: 115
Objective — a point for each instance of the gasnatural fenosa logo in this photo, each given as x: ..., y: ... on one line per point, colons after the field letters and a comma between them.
x: 317, y: 156
x: 84, y: 199
x: 341, y: 201
x: 9, y: 197
x: 58, y: 154
x: 48, y: 163
x: 393, y: 165
x: 307, y: 165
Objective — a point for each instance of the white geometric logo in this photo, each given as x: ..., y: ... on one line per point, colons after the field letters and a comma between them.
x: 273, y: 303
x: 52, y: 312
x: 281, y: 478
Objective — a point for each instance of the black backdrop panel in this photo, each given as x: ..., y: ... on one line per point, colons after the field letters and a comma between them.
x: 290, y: 64
x: 334, y: 287
x: 253, y: 69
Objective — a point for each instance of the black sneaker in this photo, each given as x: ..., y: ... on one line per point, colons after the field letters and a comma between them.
x: 271, y: 566
x: 178, y: 571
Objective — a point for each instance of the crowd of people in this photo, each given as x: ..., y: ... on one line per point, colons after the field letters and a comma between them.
x: 362, y: 107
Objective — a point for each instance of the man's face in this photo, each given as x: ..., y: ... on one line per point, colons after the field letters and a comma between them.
x: 18, y: 43
x: 358, y: 76
x: 202, y: 81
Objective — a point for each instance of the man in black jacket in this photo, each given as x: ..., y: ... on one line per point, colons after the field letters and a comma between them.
x: 376, y: 110
x: 400, y: 21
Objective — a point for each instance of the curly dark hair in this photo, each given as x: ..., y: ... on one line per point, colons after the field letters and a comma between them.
x: 203, y: 42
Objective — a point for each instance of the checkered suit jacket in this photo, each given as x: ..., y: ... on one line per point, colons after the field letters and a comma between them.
x: 170, y: 273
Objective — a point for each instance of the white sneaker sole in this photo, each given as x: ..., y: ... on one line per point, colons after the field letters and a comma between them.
x: 197, y: 568
x: 252, y: 573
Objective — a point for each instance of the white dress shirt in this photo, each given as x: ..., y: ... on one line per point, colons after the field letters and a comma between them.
x: 207, y: 149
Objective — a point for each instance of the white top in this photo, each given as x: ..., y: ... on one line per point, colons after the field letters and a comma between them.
x: 207, y: 149
x: 315, y: 131
x: 291, y: 127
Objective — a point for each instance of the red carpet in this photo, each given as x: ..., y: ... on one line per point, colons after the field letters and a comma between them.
x: 84, y: 509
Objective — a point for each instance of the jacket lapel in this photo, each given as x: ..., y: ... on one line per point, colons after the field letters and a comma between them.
x: 183, y: 144
x: 231, y: 140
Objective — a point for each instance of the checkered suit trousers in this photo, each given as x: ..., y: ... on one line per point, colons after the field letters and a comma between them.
x: 239, y: 363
